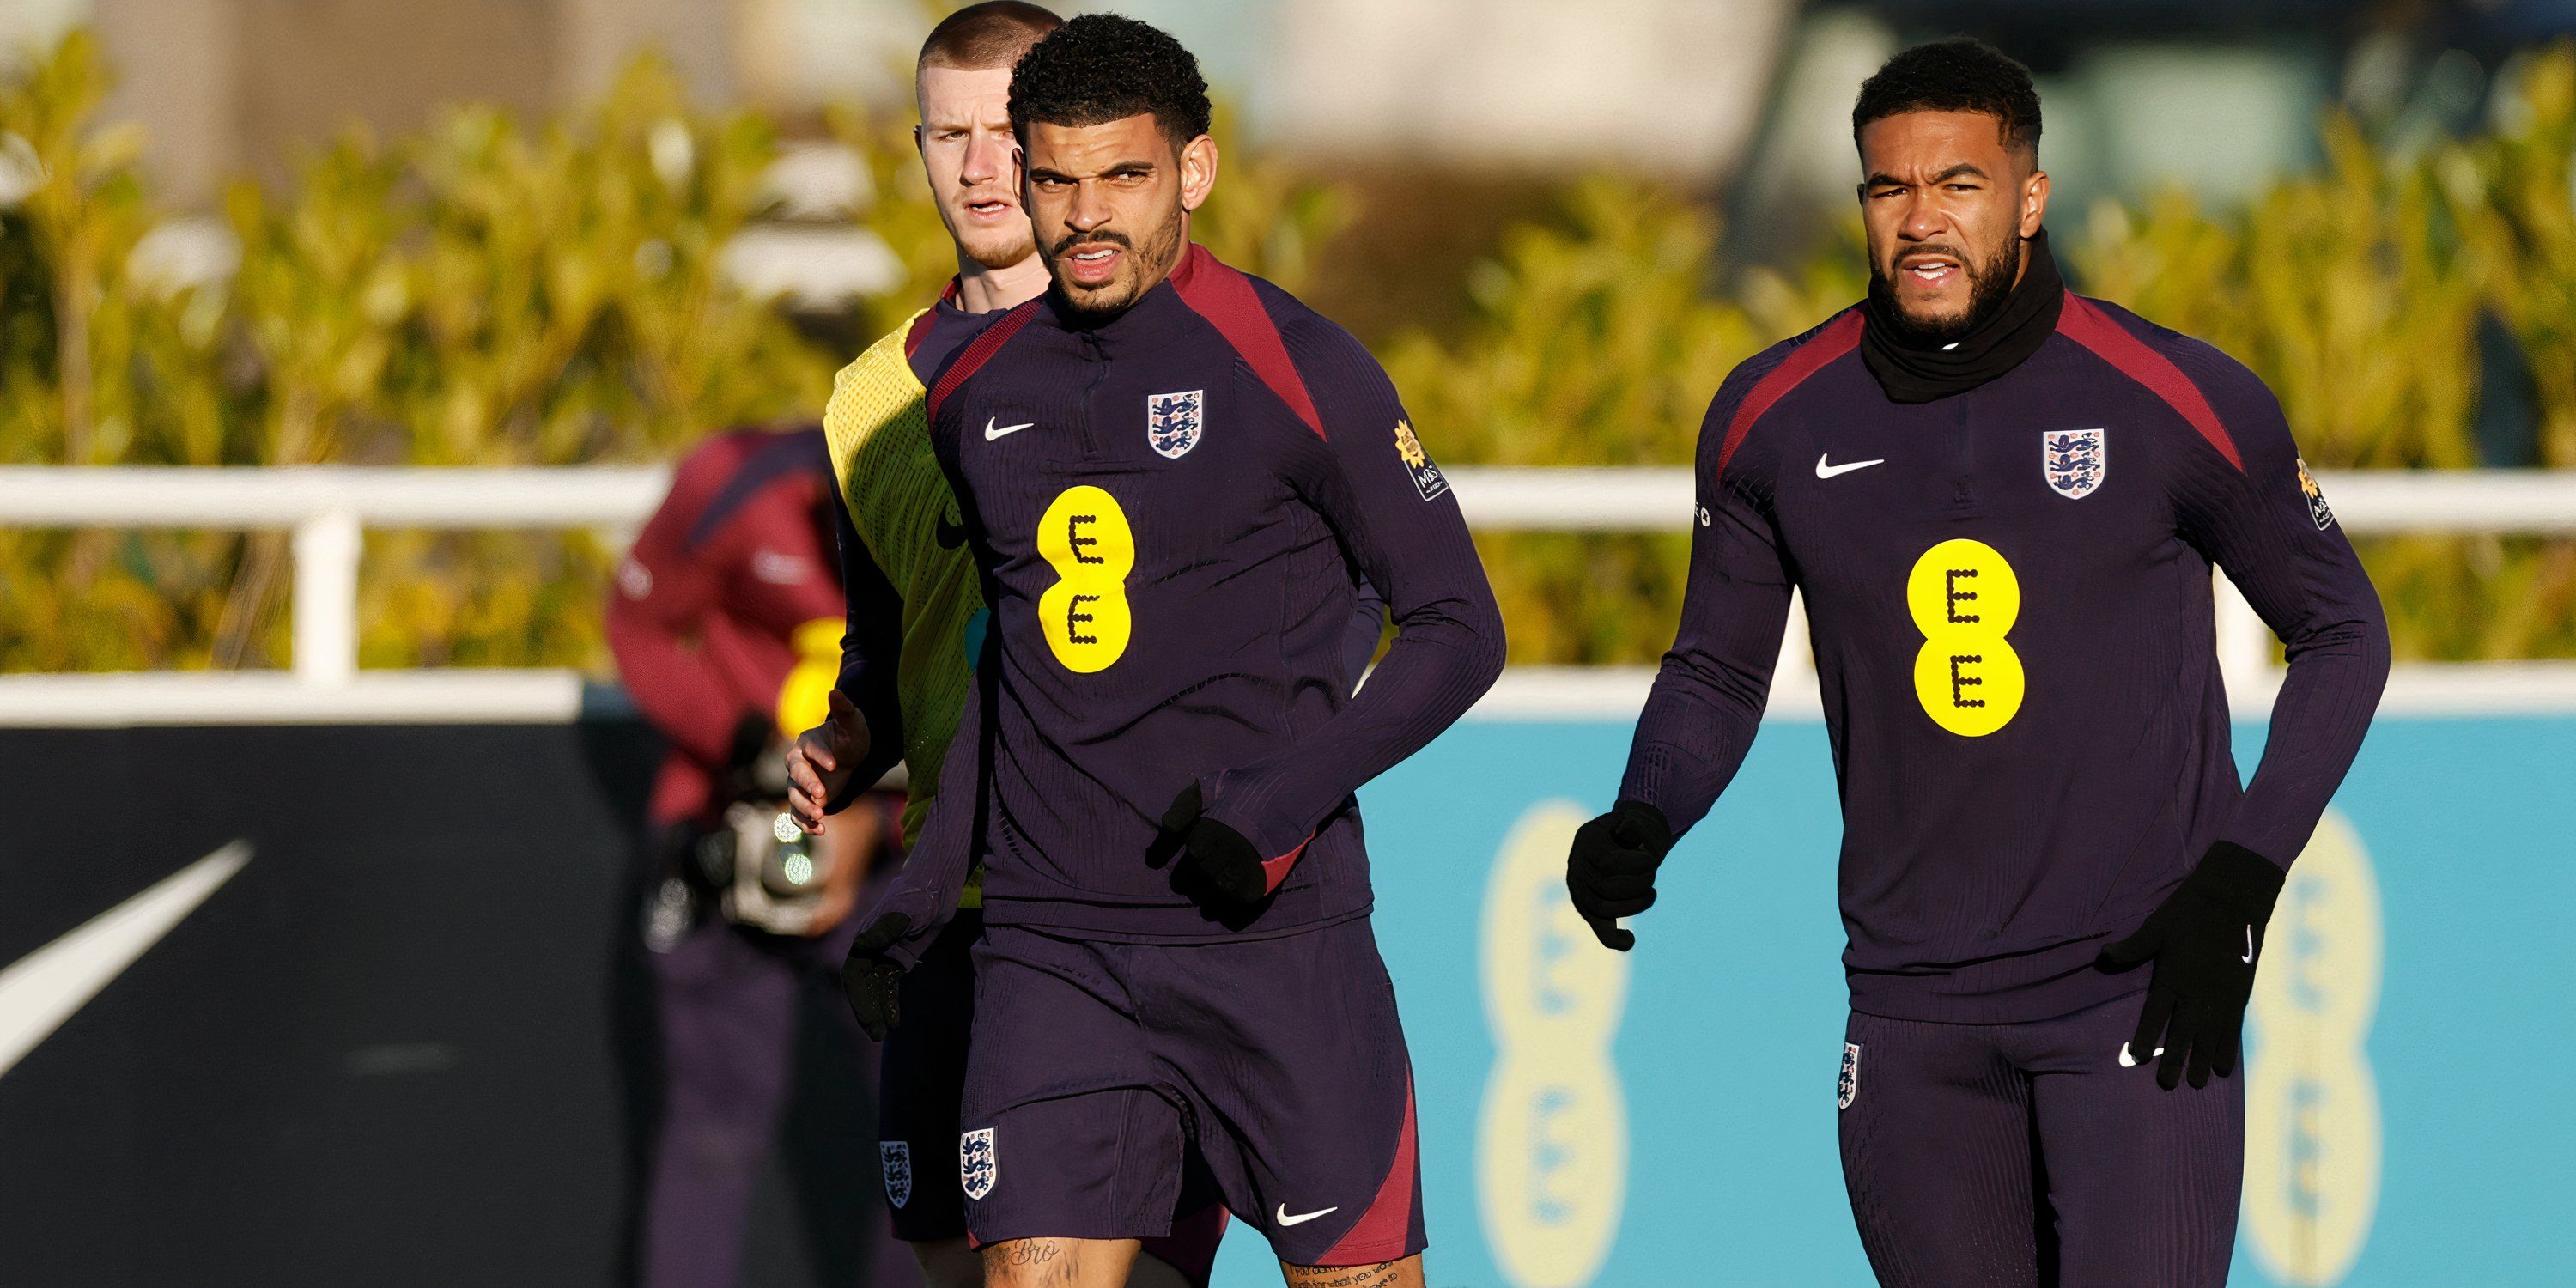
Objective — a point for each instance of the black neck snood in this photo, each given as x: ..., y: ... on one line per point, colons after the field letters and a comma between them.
x: 1914, y: 374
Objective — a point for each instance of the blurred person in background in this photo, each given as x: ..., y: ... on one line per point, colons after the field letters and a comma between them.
x: 726, y: 622
x: 1154, y: 771
x: 2002, y: 502
x: 916, y: 618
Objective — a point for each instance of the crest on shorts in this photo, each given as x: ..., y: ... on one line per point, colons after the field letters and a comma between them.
x: 1848, y: 1086
x: 896, y: 1157
x: 1172, y: 421
x: 2074, y: 461
x: 2317, y: 508
x: 1427, y: 478
x: 977, y: 1166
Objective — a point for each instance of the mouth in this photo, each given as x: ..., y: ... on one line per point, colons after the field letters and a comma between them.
x: 1093, y: 263
x: 1929, y: 271
x: 992, y: 209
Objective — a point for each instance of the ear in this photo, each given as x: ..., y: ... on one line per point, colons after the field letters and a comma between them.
x: 1198, y: 171
x: 2034, y: 202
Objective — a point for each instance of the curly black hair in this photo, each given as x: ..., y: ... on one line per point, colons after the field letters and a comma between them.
x: 1100, y: 68
x: 1960, y: 74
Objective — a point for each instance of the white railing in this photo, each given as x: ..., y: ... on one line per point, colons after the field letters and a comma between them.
x: 328, y: 508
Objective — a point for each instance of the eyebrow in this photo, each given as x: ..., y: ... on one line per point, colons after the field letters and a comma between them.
x: 1113, y: 168
x: 1891, y: 181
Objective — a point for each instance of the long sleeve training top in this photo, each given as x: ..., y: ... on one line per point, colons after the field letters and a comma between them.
x: 1173, y: 511
x: 2010, y: 605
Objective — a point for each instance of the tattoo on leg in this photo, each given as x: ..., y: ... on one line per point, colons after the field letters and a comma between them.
x: 1385, y: 1274
x: 1034, y: 1263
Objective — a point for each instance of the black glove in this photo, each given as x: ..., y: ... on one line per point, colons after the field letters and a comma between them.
x: 1611, y: 871
x: 872, y: 980
x: 1211, y: 854
x: 2204, y: 940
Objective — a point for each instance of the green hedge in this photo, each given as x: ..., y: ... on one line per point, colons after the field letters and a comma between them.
x: 494, y: 291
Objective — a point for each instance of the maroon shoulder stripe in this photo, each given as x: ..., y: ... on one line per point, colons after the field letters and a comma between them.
x: 929, y: 317
x: 1226, y: 299
x: 1840, y: 336
x: 2091, y: 327
x: 978, y: 352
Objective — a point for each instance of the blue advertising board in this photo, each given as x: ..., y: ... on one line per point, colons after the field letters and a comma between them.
x: 1669, y: 1116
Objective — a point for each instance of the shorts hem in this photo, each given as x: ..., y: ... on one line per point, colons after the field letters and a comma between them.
x: 939, y: 1233
x: 1085, y: 1228
x: 1369, y: 1255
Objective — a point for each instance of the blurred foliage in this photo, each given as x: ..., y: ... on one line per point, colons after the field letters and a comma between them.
x: 491, y: 291
x: 2357, y: 293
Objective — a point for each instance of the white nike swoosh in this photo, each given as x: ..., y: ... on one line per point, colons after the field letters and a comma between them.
x: 991, y: 433
x: 41, y: 990
x: 2248, y: 959
x: 1302, y: 1217
x: 1824, y: 471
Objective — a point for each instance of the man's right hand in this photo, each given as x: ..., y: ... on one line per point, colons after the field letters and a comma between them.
x: 872, y: 981
x: 1611, y: 872
x: 819, y: 765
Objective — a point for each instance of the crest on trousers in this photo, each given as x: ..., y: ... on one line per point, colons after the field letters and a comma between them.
x: 896, y: 1156
x: 977, y: 1166
x: 2074, y: 461
x: 1848, y: 1086
x: 1173, y: 421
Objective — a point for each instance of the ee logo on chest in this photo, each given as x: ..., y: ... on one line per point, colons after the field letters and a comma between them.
x: 1084, y: 536
x: 1964, y: 599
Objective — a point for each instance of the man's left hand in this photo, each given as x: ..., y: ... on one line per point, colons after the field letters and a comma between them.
x: 2204, y: 941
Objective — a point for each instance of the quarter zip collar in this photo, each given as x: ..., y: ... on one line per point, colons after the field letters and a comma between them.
x: 1152, y: 320
x: 1912, y: 374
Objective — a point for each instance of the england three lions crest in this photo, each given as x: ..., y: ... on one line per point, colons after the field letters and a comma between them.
x: 1847, y: 1087
x: 2074, y: 460
x: 1173, y: 421
x: 896, y: 1156
x: 978, y: 1164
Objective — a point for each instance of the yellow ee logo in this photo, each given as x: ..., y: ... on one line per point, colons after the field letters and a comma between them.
x: 1084, y: 536
x: 2312, y: 1120
x: 1964, y: 599
x: 806, y: 697
x: 1552, y: 1136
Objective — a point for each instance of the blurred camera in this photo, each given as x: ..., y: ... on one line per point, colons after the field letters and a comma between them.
x: 765, y: 871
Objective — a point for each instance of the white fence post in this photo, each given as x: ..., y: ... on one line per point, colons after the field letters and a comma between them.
x: 2244, y: 642
x: 327, y: 548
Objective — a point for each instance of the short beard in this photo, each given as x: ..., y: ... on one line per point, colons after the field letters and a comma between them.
x: 1016, y: 251
x: 1990, y: 285
x: 1161, y: 251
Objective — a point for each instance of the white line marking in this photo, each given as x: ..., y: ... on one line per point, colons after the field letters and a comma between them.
x: 41, y: 990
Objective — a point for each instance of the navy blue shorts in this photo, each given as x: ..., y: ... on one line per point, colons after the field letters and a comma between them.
x: 1097, y: 1068
x: 917, y: 1114
x: 2012, y: 1155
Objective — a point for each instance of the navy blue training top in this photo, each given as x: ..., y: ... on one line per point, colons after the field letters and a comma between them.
x: 1172, y: 511
x: 2010, y: 604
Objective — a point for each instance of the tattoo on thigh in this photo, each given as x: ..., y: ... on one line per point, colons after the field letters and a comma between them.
x: 1037, y: 1263
x: 1385, y: 1274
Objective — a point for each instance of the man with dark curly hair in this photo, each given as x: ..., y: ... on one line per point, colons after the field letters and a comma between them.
x: 915, y: 614
x: 2002, y: 502
x: 1174, y: 479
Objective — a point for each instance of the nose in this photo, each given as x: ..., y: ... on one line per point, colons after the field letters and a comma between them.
x: 987, y: 159
x: 1924, y: 219
x: 1090, y: 208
